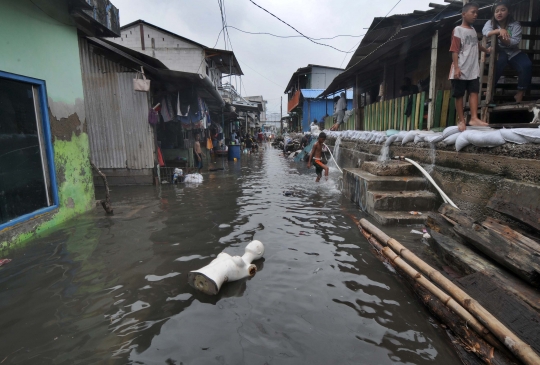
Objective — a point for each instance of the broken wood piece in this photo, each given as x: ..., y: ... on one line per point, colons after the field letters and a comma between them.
x: 518, y: 200
x: 469, y: 262
x: 518, y: 347
x: 507, y: 251
x: 507, y: 231
x: 456, y: 215
x: 520, y: 319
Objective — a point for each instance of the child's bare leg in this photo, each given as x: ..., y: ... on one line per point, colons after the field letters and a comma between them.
x: 473, y: 102
x: 318, y: 178
x: 461, y: 118
x: 519, y: 96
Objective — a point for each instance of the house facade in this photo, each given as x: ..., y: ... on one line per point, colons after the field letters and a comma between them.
x: 45, y: 173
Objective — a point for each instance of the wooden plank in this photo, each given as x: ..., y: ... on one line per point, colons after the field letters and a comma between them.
x: 491, y: 76
x: 445, y: 105
x: 432, y: 78
x: 452, y: 112
x: 384, y: 115
x: 520, y: 319
x: 417, y: 111
x: 463, y: 259
x: 508, y: 252
x: 438, y: 109
x: 410, y: 121
x: 520, y: 201
x: 421, y: 124
x: 399, y: 119
x: 396, y: 108
x: 505, y: 231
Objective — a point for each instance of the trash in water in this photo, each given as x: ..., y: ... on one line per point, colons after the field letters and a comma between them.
x: 4, y: 261
x: 416, y: 232
x: 317, y: 270
x: 426, y: 234
x: 224, y: 225
x: 226, y: 268
x: 193, y: 178
x: 288, y: 193
x: 412, y: 212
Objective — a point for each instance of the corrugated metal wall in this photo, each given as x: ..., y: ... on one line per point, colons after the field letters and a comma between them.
x: 317, y: 109
x: 116, y: 115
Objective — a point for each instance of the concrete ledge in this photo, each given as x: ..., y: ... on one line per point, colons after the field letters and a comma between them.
x: 390, y: 168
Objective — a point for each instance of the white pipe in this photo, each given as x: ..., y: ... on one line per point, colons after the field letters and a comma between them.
x: 226, y: 268
x: 328, y: 148
x: 444, y: 196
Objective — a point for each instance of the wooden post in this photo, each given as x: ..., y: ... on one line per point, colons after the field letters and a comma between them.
x: 432, y: 78
x: 490, y: 81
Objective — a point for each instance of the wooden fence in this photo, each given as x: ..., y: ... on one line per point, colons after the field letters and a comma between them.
x: 390, y: 114
x: 350, y: 124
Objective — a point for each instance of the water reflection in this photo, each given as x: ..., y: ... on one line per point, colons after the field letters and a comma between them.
x: 114, y: 289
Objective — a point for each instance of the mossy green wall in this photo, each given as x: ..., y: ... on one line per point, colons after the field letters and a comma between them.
x: 40, y: 40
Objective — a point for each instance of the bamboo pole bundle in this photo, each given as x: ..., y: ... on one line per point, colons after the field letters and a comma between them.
x: 519, y: 348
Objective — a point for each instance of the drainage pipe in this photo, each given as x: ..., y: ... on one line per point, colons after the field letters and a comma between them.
x: 443, y: 195
x: 328, y: 148
x: 520, y: 349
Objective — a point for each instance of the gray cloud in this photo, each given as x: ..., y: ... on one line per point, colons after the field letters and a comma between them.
x: 272, y: 57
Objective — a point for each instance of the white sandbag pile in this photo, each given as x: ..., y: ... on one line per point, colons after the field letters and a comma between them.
x: 476, y: 136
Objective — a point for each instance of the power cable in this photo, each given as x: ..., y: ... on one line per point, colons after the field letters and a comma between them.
x: 297, y: 31
x: 293, y: 36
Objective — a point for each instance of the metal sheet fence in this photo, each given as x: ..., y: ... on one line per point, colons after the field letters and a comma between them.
x: 116, y: 115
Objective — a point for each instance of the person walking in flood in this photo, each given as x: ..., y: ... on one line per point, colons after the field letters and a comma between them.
x: 197, y: 154
x: 341, y: 107
x: 465, y: 70
x: 317, y: 156
x: 508, y: 32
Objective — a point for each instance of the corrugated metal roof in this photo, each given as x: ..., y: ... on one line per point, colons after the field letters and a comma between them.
x: 116, y: 115
x: 314, y: 93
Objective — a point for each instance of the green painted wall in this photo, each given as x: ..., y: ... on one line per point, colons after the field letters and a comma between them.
x: 39, y: 40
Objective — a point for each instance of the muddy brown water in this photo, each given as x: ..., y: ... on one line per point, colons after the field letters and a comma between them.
x: 114, y: 290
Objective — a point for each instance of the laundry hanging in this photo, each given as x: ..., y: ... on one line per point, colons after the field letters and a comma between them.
x: 179, y: 110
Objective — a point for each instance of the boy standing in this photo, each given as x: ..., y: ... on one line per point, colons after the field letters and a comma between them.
x: 465, y: 70
x: 197, y: 154
x: 316, y: 156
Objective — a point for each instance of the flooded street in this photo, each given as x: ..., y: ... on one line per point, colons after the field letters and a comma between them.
x: 114, y: 289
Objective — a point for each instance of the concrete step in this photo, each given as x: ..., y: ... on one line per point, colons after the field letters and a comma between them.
x: 387, y: 218
x: 390, y: 168
x: 400, y: 200
x: 360, y: 179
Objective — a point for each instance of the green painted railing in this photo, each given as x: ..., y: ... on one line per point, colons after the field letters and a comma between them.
x: 390, y: 114
x: 350, y: 124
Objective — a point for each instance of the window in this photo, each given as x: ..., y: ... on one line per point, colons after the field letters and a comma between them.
x: 27, y: 187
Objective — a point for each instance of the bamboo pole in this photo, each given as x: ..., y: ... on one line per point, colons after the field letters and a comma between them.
x: 519, y: 348
x: 432, y: 79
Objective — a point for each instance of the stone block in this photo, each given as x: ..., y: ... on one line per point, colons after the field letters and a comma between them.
x: 390, y: 168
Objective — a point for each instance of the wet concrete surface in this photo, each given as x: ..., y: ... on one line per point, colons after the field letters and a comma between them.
x: 114, y: 290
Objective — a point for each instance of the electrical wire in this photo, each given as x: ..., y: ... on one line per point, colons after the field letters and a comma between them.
x: 297, y: 31
x: 294, y: 36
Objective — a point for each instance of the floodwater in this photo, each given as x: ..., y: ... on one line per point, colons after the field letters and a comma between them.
x: 114, y: 290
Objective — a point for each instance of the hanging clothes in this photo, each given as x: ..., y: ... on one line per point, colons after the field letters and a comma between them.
x: 179, y: 109
x: 153, y: 117
x: 167, y: 111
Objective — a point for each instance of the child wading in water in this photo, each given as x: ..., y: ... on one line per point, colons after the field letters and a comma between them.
x: 316, y: 155
x: 465, y: 70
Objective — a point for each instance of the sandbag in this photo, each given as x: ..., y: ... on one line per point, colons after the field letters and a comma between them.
x: 391, y: 132
x: 418, y: 138
x: 449, y: 131
x: 409, y: 137
x: 510, y: 136
x: 437, y: 137
x: 530, y: 134
x: 462, y: 141
x: 390, y: 140
x: 451, y: 139
x: 486, y: 139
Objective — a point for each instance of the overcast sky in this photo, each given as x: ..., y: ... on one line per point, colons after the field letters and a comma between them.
x: 268, y: 62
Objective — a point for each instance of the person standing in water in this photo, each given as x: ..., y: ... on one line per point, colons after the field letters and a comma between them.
x: 317, y: 156
x: 508, y: 32
x: 197, y: 154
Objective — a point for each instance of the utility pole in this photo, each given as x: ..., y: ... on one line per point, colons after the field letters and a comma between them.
x: 281, y: 113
